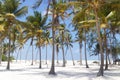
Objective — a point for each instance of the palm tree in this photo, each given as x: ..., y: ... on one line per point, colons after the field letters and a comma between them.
x: 47, y: 41
x: 80, y: 44
x: 11, y: 12
x: 34, y: 20
x: 79, y: 39
x: 68, y: 43
x: 38, y: 23
x: 62, y: 40
x: 56, y: 13
x: 40, y: 42
x: 57, y: 46
x: 85, y: 51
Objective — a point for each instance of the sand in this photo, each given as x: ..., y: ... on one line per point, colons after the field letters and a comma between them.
x: 24, y: 71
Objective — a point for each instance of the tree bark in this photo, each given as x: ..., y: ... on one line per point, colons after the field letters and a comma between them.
x: 80, y: 46
x: 85, y: 52
x: 8, y: 61
x: 106, y: 65
x: 101, y: 72
x: 63, y: 56
x: 52, y: 70
x: 72, y: 56
x: 40, y: 66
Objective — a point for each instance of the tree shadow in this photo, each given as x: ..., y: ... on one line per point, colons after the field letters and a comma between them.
x: 5, y: 70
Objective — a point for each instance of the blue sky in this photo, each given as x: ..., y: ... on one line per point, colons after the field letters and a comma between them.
x: 28, y: 50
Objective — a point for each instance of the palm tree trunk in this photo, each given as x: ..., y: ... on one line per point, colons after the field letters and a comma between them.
x: 106, y: 66
x: 52, y: 70
x: 8, y: 61
x: 85, y: 53
x: 101, y: 72
x: 72, y: 56
x: 63, y: 55
x: 40, y: 57
x: 80, y: 46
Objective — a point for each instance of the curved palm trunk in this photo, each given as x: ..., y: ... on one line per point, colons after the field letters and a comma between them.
x: 101, y: 72
x: 8, y: 61
x: 86, y: 53
x: 40, y: 66
x: 80, y: 46
x: 72, y: 56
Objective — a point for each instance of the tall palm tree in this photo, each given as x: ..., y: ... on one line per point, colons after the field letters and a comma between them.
x: 11, y: 11
x: 56, y: 13
x: 38, y: 23
x: 47, y: 40
x: 62, y: 40
x: 40, y: 42
x: 85, y: 51
x: 68, y: 43
x: 57, y: 46
x: 80, y: 44
x: 34, y: 20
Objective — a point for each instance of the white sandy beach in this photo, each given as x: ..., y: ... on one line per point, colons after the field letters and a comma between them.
x: 24, y: 71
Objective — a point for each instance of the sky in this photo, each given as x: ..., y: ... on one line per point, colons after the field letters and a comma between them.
x: 21, y: 54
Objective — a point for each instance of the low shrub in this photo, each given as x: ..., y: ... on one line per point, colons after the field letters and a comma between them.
x: 4, y: 58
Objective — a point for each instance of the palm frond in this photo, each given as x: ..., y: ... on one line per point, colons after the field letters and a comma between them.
x: 37, y: 4
x: 21, y: 12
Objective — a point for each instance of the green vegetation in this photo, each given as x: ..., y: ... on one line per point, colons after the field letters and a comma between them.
x: 4, y: 58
